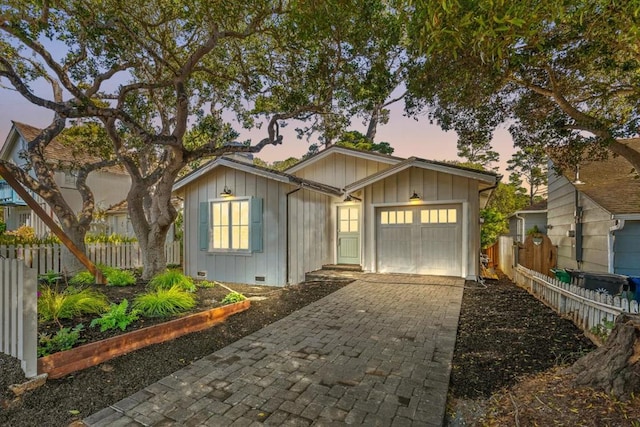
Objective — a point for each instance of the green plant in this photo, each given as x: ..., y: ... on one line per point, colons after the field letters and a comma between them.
x: 171, y: 278
x: 116, y: 317
x: 533, y: 231
x: 82, y: 278
x: 109, y: 238
x: 603, y: 330
x: 120, y: 278
x: 50, y: 277
x: 63, y: 340
x: 205, y: 284
x: 164, y: 302
x: 233, y: 297
x: 54, y: 305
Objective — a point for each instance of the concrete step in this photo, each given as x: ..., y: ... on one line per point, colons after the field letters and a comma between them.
x: 342, y: 267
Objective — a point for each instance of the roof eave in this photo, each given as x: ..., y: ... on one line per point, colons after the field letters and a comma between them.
x: 383, y: 158
x: 488, y: 179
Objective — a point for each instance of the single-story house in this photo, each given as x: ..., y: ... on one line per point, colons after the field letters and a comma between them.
x: 109, y: 185
x: 594, y: 216
x: 520, y: 222
x: 245, y: 223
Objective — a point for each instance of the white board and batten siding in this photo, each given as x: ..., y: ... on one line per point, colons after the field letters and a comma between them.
x: 437, y: 190
x: 561, y: 208
x: 263, y: 267
x: 310, y: 233
x: 338, y: 169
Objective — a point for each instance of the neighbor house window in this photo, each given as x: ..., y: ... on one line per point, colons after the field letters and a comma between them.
x: 70, y: 178
x: 230, y: 223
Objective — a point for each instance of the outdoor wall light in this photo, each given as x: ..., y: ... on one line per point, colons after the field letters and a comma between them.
x: 226, y: 192
x: 351, y: 198
x: 414, y: 197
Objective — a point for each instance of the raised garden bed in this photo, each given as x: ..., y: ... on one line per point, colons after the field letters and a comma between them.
x: 62, y: 363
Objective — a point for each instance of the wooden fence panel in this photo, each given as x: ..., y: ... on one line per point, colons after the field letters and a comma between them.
x: 18, y: 313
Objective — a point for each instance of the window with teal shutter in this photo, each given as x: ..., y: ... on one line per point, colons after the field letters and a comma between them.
x: 256, y: 225
x: 231, y: 225
x: 203, y: 229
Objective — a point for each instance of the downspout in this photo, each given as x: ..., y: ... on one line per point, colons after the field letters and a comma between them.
x: 286, y: 263
x: 578, y: 237
x: 611, y: 238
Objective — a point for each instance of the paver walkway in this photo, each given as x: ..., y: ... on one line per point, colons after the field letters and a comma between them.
x: 376, y: 352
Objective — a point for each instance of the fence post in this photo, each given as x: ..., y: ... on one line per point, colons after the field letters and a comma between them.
x: 18, y: 304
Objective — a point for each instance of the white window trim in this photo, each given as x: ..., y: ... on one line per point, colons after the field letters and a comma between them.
x: 213, y: 250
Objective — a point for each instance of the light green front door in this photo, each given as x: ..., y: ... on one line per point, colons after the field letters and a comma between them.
x: 349, y: 234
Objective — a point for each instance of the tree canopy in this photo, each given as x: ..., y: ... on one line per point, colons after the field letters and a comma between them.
x: 562, y: 73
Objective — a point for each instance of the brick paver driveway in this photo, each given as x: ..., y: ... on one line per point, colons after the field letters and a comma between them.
x: 376, y: 352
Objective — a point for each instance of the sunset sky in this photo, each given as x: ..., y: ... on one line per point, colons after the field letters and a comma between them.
x: 409, y: 137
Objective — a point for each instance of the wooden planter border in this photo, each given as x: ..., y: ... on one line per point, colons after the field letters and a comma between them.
x: 60, y: 364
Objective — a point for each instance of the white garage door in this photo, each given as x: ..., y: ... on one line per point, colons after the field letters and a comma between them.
x: 420, y: 240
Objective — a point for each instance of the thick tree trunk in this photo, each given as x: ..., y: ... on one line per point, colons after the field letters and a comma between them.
x: 614, y: 367
x: 71, y: 264
x: 154, y: 259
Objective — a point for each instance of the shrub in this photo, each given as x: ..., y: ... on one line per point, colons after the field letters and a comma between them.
x: 233, y: 297
x: 63, y: 340
x: 109, y: 238
x: 82, y: 278
x: 54, y: 305
x: 120, y: 278
x: 205, y: 284
x: 116, y: 317
x: 164, y: 302
x: 171, y: 278
x: 50, y: 277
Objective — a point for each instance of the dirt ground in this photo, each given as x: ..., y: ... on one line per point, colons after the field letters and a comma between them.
x: 509, y: 362
x: 507, y: 367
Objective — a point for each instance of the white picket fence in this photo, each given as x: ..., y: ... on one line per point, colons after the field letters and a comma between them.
x: 46, y: 258
x: 18, y: 313
x: 585, y: 307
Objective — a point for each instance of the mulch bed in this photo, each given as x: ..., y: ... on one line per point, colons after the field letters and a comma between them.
x: 507, y: 367
x: 76, y: 396
x: 509, y: 362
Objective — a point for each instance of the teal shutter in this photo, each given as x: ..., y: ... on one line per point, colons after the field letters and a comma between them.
x: 203, y: 228
x: 256, y: 225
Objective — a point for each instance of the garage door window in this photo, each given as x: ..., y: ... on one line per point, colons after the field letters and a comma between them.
x: 438, y: 216
x: 396, y: 217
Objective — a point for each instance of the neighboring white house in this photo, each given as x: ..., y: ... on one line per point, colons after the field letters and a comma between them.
x: 244, y: 223
x: 109, y: 185
x: 595, y: 221
x: 520, y: 222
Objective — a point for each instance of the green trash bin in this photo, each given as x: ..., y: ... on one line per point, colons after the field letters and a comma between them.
x: 562, y: 275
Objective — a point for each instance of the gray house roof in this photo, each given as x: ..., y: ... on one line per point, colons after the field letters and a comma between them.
x: 256, y: 170
x: 540, y: 207
x: 612, y: 183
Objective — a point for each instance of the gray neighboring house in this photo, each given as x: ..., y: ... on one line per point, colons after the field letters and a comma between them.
x: 248, y: 224
x: 520, y: 222
x: 595, y: 221
x: 109, y: 185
